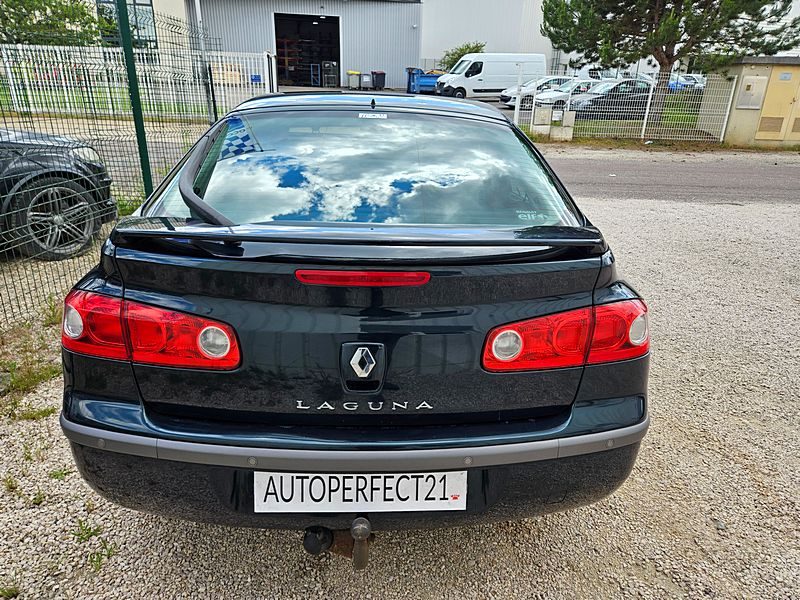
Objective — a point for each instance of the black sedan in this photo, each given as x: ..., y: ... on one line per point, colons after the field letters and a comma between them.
x: 624, y: 100
x: 351, y: 312
x: 55, y: 193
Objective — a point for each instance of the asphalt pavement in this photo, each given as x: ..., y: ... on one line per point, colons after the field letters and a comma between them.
x: 719, y: 177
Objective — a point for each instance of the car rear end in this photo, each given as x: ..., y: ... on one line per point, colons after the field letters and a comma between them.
x: 356, y: 307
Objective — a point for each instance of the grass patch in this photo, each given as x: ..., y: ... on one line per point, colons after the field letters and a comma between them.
x: 8, y: 591
x: 107, y: 550
x: 11, y: 485
x: 52, y: 311
x: 84, y: 531
x: 126, y: 206
x: 59, y: 474
x: 28, y: 357
x: 34, y: 414
x: 38, y: 498
x: 26, y: 375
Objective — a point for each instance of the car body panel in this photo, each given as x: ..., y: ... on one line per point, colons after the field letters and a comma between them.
x: 544, y: 84
x: 187, y: 442
x: 626, y: 100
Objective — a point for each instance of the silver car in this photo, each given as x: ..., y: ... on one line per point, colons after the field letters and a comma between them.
x: 560, y: 97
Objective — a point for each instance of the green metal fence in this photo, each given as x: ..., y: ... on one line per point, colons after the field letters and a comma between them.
x: 73, y: 155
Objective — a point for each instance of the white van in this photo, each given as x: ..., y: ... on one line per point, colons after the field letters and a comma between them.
x: 487, y: 74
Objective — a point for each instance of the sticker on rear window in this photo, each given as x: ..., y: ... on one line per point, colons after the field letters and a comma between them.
x: 373, y: 116
x: 527, y: 215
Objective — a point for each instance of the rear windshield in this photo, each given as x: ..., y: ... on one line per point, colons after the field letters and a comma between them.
x: 372, y: 167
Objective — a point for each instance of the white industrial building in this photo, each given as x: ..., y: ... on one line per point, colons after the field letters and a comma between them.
x: 317, y: 41
x: 363, y: 35
x: 503, y: 25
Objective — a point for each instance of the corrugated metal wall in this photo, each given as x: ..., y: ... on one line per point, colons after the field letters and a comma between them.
x: 504, y: 25
x: 374, y: 35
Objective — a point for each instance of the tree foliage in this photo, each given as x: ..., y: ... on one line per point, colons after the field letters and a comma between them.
x: 52, y: 22
x: 452, y: 56
x: 709, y: 33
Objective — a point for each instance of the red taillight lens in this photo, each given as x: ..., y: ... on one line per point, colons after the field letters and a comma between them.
x: 362, y: 278
x: 108, y: 327
x: 175, y: 339
x: 618, y: 332
x: 93, y: 325
x: 546, y: 342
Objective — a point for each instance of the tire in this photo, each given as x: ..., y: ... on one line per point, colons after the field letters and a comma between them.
x: 460, y: 93
x: 53, y: 218
x: 560, y: 105
x: 526, y: 103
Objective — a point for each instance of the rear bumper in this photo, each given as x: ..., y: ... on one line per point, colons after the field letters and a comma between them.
x: 214, y: 483
x: 224, y: 495
x: 283, y: 459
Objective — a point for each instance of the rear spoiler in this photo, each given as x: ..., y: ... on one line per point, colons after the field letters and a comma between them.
x: 130, y: 228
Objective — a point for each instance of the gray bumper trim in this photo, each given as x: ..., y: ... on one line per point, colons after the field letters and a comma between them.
x: 352, y: 461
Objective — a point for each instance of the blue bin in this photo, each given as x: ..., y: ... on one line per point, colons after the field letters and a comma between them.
x: 420, y: 82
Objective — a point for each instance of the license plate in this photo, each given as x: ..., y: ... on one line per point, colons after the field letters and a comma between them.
x: 345, y: 492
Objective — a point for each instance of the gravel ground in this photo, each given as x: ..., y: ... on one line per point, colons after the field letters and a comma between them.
x: 711, y: 509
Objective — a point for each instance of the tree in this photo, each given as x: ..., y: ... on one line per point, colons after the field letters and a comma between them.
x: 711, y: 33
x: 452, y: 56
x: 52, y: 22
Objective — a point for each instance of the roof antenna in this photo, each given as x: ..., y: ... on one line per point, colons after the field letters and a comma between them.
x: 372, y: 104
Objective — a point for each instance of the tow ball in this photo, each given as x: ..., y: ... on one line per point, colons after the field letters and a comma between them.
x: 352, y: 543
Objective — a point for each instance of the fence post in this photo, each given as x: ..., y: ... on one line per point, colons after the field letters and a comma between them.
x: 210, y: 99
x: 133, y: 91
x: 728, y: 110
x: 533, y: 106
x: 12, y: 85
x: 647, y: 108
x: 518, y: 104
x: 268, y: 72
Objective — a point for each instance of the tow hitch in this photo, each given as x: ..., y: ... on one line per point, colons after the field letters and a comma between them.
x: 352, y: 543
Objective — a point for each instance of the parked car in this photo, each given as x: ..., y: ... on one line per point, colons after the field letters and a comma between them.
x: 485, y: 74
x: 699, y: 78
x: 559, y: 97
x: 624, y: 100
x: 679, y: 83
x: 347, y: 313
x: 532, y: 88
x: 54, y: 194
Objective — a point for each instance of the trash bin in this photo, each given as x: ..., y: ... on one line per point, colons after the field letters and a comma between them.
x: 353, y: 79
x: 412, y: 85
x: 378, y: 79
x: 366, y: 81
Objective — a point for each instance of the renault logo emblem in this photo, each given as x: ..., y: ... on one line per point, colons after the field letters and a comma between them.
x: 362, y: 362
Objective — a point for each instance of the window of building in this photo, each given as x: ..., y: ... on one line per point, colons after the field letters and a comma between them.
x: 142, y: 19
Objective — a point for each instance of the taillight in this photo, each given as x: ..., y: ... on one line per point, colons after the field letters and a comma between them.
x: 544, y: 343
x: 108, y: 327
x: 620, y: 332
x: 362, y: 278
x: 93, y: 325
x: 605, y: 333
x: 175, y: 339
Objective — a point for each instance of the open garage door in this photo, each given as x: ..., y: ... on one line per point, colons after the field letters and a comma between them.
x: 307, y: 50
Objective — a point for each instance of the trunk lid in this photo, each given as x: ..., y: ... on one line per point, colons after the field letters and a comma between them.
x: 299, y: 342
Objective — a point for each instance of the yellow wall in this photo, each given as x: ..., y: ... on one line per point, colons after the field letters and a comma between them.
x: 743, y: 124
